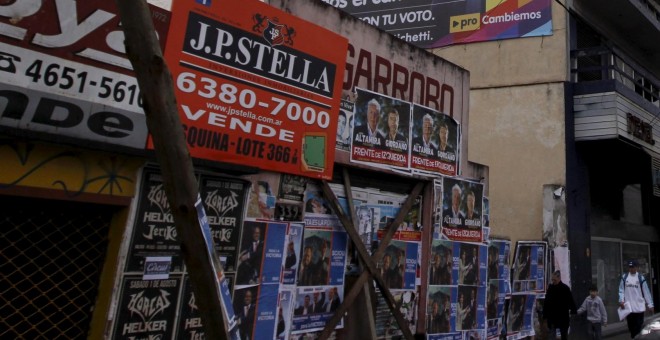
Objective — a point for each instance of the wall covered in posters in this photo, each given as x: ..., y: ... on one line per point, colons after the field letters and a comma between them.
x: 383, y: 64
x: 437, y: 23
x: 154, y: 279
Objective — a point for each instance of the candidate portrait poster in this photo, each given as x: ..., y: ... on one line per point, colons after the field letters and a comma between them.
x: 461, y: 209
x: 398, y: 267
x: 261, y: 253
x: 441, y: 311
x: 498, y: 259
x: 496, y: 295
x: 345, y: 123
x: 520, y: 316
x: 314, y: 306
x: 435, y: 142
x: 224, y: 202
x: 323, y: 257
x: 441, y: 263
x: 254, y: 86
x: 292, y: 253
x: 470, y: 268
x: 285, y: 306
x: 381, y: 135
x: 529, y: 267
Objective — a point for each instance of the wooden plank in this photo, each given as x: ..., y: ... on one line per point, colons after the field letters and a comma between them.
x: 172, y: 153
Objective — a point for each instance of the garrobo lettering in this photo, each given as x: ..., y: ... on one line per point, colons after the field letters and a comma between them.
x: 380, y: 74
x: 228, y: 45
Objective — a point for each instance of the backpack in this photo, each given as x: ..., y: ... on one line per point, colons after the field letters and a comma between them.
x: 641, y: 278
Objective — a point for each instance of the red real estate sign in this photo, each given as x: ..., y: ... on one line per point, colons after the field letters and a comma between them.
x: 256, y: 86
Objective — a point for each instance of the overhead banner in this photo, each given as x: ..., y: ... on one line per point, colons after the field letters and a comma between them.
x: 437, y: 23
x: 254, y: 86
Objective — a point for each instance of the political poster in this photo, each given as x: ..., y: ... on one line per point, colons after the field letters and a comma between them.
x: 224, y: 203
x: 437, y: 23
x: 381, y: 135
x: 470, y: 268
x: 154, y: 232
x: 497, y: 292
x: 261, y: 253
x: 442, y: 312
x: 345, y: 124
x: 461, y: 209
x: 254, y: 86
x: 441, y: 263
x: 520, y: 316
x: 471, y: 308
x: 292, y: 254
x: 323, y: 259
x: 498, y: 259
x: 134, y: 320
x: 398, y: 267
x: 285, y: 306
x: 314, y: 306
x: 529, y: 267
x: 435, y: 142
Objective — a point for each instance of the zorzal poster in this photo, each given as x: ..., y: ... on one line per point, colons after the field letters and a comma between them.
x: 147, y: 308
x: 224, y: 202
x: 254, y: 86
x: 154, y: 232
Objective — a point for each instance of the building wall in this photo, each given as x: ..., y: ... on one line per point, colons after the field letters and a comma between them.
x: 517, y: 122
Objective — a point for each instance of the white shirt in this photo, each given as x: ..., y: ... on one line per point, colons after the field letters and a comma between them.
x: 633, y: 294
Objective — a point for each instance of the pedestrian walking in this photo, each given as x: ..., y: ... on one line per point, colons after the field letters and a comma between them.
x: 596, y: 314
x: 634, y: 289
x: 558, y: 307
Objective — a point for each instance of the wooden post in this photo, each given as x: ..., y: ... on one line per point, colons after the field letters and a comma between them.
x: 365, y: 326
x: 172, y: 153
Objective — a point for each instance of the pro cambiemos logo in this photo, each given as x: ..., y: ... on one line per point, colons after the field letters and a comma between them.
x: 465, y: 23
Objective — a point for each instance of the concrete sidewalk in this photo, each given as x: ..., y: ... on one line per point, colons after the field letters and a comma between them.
x: 616, y: 331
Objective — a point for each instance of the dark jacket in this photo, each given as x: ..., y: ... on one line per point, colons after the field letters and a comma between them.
x: 558, y: 303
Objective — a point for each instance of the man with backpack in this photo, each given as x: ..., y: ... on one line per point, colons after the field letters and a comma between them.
x: 634, y: 289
